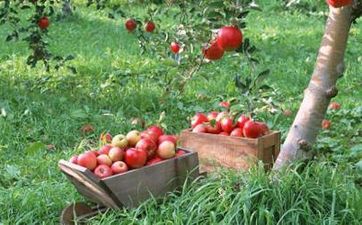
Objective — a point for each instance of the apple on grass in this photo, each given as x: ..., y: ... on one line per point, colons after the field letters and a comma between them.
x: 166, y: 150
x: 119, y: 167
x: 133, y: 137
x: 103, y: 171
x: 116, y: 154
x: 120, y: 141
x: 104, y: 160
x: 87, y: 160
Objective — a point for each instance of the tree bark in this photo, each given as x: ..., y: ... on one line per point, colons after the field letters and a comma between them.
x: 67, y: 8
x: 322, y: 87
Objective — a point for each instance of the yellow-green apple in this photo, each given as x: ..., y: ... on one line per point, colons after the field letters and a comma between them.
x: 104, y: 160
x: 120, y: 141
x: 116, y: 154
x: 133, y: 137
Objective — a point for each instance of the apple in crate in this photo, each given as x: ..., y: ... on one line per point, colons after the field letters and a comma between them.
x: 104, y: 149
x: 212, y: 115
x: 199, y: 118
x: 201, y: 128
x: 103, y: 171
x: 119, y: 167
x: 133, y: 137
x: 135, y: 158
x: 237, y: 132
x: 154, y: 160
x: 120, y: 141
x: 87, y: 160
x: 171, y: 138
x: 155, y: 129
x: 73, y: 159
x: 147, y: 134
x: 166, y: 150
x: 148, y: 146
x: 116, y: 154
x: 180, y: 153
x: 104, y: 160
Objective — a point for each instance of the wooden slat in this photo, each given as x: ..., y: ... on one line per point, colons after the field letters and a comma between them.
x: 136, y: 186
x: 87, y: 184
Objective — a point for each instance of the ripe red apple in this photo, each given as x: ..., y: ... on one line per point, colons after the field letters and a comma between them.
x: 103, y: 171
x: 171, y: 138
x: 334, y: 106
x: 154, y: 160
x: 119, y: 167
x: 224, y: 133
x: 135, y: 158
x: 229, y: 38
x: 212, y: 115
x: 225, y: 104
x: 130, y: 25
x: 148, y: 146
x: 326, y: 124
x: 104, y: 149
x: 339, y: 3
x: 150, y: 26
x: 222, y: 115
x: 156, y: 129
x: 149, y: 134
x: 227, y: 125
x: 104, y: 160
x: 201, y: 128
x: 199, y: 118
x: 213, y: 51
x: 180, y: 153
x: 237, y: 132
x: 43, y: 23
x: 252, y: 129
x: 87, y: 160
x: 166, y: 150
x: 175, y: 47
x: 116, y: 154
x: 213, y: 127
x: 94, y: 152
x: 73, y: 159
x: 242, y: 120
x: 120, y: 141
x: 133, y: 137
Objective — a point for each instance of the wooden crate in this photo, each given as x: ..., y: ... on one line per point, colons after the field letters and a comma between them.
x: 135, y: 186
x: 231, y: 152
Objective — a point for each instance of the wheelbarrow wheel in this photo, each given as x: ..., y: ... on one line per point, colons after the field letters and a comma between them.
x: 74, y: 212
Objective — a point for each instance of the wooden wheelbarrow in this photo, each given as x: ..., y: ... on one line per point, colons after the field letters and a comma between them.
x: 127, y: 190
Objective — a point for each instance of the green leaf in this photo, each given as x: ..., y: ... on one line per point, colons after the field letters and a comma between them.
x: 359, y: 165
x: 78, y: 114
x: 34, y: 148
x: 12, y: 171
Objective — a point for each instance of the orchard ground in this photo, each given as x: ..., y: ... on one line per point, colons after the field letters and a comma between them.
x: 39, y: 109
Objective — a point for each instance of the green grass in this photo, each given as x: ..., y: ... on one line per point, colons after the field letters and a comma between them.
x: 50, y: 108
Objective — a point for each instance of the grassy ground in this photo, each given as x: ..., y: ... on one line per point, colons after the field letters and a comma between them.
x: 50, y: 108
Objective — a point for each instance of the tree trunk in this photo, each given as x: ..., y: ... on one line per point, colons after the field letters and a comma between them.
x: 67, y: 8
x: 322, y: 87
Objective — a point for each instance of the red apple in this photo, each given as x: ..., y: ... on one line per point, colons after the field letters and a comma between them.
x: 242, y: 120
x: 229, y: 38
x: 224, y: 133
x: 252, y: 129
x: 154, y: 160
x: 212, y: 115
x: 180, y: 153
x: 227, y: 125
x: 326, y: 124
x: 264, y: 128
x: 166, y: 150
x: 119, y: 167
x: 222, y: 115
x: 87, y: 160
x: 199, y: 118
x: 116, y: 154
x: 201, y: 128
x: 171, y: 138
x: 104, y: 160
x: 213, y: 51
x: 334, y: 106
x: 103, y: 171
x: 94, y: 152
x: 225, y: 104
x: 237, y: 132
x: 133, y: 137
x: 213, y: 127
x: 120, y: 141
x: 104, y: 149
x: 148, y: 146
x: 175, y: 47
x: 339, y: 3
x: 43, y: 23
x: 149, y: 134
x: 150, y: 26
x: 130, y: 25
x: 73, y: 159
x: 135, y: 158
x: 155, y: 129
